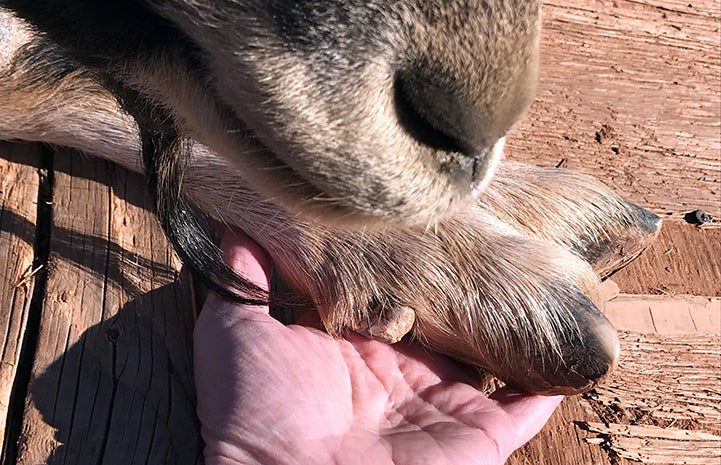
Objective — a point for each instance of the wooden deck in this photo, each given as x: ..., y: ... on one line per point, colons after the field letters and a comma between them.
x: 96, y: 313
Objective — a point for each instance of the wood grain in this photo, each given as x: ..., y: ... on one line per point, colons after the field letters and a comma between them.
x: 19, y: 185
x: 684, y: 259
x: 665, y: 381
x: 654, y: 445
x: 661, y: 405
x: 629, y: 93
x: 112, y: 380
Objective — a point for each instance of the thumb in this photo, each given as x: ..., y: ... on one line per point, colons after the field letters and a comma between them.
x: 246, y: 257
x: 526, y: 414
x: 221, y: 322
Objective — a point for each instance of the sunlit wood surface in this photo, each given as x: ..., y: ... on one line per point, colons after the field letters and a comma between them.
x: 96, y: 313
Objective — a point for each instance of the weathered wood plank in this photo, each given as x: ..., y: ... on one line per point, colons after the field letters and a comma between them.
x: 683, y: 260
x: 665, y: 381
x: 19, y: 186
x: 654, y: 445
x: 112, y: 381
x: 629, y: 92
x: 661, y: 405
x: 666, y: 316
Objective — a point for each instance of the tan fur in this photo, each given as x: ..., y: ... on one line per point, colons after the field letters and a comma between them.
x: 504, y: 283
x: 76, y: 112
x: 338, y: 130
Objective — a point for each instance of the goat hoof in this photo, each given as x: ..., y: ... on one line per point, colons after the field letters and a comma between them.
x: 572, y: 210
x: 509, y: 286
x: 609, y: 256
x: 588, y: 352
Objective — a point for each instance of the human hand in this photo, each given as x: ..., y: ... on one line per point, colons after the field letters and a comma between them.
x: 273, y: 394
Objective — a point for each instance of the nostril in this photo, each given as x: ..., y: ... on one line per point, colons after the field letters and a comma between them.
x: 411, y: 119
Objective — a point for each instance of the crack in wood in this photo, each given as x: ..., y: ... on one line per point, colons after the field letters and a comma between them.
x: 26, y: 359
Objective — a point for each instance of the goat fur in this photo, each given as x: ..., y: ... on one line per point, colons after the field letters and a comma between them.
x: 384, y: 227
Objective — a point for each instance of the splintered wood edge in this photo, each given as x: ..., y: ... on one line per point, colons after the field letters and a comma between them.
x: 650, y: 431
x: 660, y: 405
x: 654, y: 445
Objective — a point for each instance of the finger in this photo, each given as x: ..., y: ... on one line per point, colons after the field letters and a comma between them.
x: 246, y: 258
x: 526, y: 414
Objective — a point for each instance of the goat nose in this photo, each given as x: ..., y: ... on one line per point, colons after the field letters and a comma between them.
x: 422, y: 116
x: 452, y: 115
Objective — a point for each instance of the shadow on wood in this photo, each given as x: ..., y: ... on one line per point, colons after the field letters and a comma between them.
x: 122, y: 393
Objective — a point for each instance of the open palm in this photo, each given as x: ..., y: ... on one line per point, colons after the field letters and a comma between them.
x: 272, y: 394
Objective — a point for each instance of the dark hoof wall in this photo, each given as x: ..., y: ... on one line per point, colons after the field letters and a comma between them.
x: 588, y: 351
x: 611, y: 255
